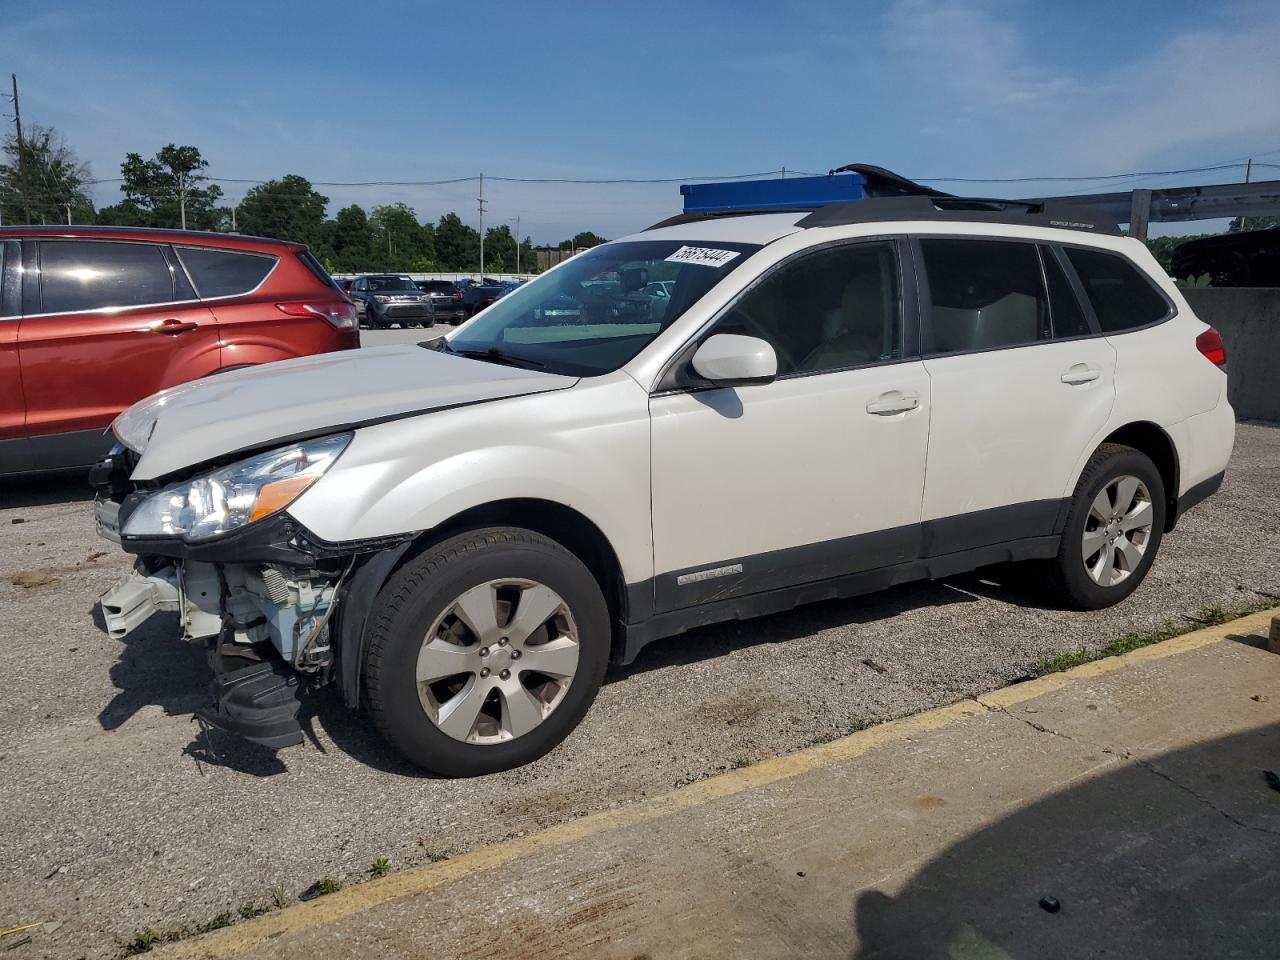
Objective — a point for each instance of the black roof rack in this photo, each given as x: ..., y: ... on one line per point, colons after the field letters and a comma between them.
x: 1037, y: 213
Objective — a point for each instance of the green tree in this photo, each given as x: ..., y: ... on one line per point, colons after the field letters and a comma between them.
x: 499, y: 249
x: 583, y: 240
x: 399, y: 240
x: 1240, y: 224
x: 158, y: 192
x: 457, y: 245
x: 1162, y: 248
x: 39, y: 185
x: 352, y: 240
x: 288, y: 209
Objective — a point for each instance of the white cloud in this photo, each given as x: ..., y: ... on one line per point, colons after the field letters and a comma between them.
x: 1204, y: 90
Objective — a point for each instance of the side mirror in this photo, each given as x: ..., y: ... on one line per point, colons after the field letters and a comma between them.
x: 730, y: 360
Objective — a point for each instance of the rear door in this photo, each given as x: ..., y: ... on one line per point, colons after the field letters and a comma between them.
x: 816, y: 475
x: 1021, y: 383
x: 107, y: 323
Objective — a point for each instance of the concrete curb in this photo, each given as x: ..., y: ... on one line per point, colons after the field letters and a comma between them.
x: 242, y: 937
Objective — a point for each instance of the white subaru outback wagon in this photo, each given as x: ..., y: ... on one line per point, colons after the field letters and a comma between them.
x: 462, y: 534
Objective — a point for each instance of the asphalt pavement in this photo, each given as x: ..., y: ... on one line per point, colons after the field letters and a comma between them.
x: 118, y: 815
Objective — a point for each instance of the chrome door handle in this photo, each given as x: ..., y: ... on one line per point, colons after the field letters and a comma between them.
x: 892, y: 402
x: 1081, y: 373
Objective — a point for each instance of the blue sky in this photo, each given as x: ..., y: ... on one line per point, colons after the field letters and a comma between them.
x: 386, y: 91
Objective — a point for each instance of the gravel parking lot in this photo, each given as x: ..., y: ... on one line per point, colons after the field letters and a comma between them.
x: 117, y: 814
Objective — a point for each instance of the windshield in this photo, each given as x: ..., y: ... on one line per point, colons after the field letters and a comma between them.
x: 392, y: 284
x: 601, y: 308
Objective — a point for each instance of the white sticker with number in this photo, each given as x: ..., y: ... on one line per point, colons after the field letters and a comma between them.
x: 706, y: 256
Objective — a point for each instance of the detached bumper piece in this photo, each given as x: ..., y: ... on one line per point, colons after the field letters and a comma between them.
x: 259, y: 703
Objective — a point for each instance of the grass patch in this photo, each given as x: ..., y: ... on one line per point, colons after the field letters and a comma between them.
x: 380, y: 867
x: 1205, y: 617
x: 740, y: 762
x: 143, y: 942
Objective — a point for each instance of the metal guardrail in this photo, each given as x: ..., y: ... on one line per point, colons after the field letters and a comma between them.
x: 1138, y: 208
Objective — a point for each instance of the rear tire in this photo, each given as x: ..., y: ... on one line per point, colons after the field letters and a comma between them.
x: 1113, y: 530
x: 498, y: 710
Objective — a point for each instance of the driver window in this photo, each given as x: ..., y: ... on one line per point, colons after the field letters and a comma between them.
x: 837, y: 308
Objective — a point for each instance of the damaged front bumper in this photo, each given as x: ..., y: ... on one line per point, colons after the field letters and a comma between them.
x: 262, y: 600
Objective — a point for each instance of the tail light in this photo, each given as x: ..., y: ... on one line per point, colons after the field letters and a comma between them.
x: 340, y: 313
x: 457, y: 294
x: 1211, y: 346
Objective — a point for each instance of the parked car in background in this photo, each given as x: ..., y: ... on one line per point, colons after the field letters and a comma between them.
x: 476, y: 295
x: 446, y: 300
x: 345, y: 285
x: 386, y: 299
x: 93, y: 319
x: 1247, y: 259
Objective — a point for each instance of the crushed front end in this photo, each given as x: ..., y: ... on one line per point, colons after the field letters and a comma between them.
x: 261, y: 596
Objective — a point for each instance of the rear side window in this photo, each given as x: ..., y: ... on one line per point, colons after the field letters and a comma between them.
x: 1068, y: 318
x: 1122, y: 297
x: 93, y: 274
x: 224, y: 273
x: 984, y: 294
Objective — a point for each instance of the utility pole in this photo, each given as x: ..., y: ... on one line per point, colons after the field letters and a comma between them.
x: 1248, y: 170
x: 481, y: 199
x: 182, y: 198
x: 68, y: 206
x: 233, y: 219
x: 22, y: 150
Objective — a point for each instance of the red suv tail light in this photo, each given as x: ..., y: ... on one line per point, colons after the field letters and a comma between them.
x: 457, y: 294
x: 340, y: 313
x: 1211, y: 346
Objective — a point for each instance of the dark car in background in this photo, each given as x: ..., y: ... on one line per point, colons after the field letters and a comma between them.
x: 476, y: 295
x: 446, y: 300
x: 93, y: 319
x: 385, y: 299
x: 1250, y: 258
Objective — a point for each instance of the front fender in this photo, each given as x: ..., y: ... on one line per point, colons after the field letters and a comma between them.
x: 585, y: 448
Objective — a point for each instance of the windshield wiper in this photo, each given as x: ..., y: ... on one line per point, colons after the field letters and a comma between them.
x: 494, y: 355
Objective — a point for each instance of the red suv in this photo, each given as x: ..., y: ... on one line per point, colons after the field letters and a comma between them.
x: 94, y: 318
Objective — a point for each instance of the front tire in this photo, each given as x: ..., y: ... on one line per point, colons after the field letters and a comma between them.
x: 485, y: 652
x: 1113, y: 530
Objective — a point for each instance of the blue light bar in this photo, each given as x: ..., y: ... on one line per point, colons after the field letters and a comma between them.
x: 783, y: 193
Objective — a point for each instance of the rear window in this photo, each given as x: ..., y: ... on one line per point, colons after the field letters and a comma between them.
x: 225, y: 273
x: 1122, y: 297
x: 437, y: 286
x: 94, y: 274
x: 319, y: 272
x: 10, y: 257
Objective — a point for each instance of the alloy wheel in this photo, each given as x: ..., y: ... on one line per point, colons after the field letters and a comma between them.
x: 1117, y: 530
x: 498, y: 661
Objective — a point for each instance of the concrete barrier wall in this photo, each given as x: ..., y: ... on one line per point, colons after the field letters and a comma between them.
x: 1249, y: 320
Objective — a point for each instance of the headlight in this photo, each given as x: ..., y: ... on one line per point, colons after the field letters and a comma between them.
x: 227, y: 499
x: 382, y: 299
x: 133, y: 427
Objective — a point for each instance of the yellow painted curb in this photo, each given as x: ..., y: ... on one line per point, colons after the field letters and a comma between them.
x: 242, y: 937
x: 1022, y: 692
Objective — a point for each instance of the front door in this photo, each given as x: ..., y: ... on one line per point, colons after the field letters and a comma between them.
x: 814, y: 476
x: 114, y: 322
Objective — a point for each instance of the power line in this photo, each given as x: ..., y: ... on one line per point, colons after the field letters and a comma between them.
x: 610, y: 181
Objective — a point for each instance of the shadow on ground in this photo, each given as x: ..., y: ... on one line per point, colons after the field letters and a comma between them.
x: 45, y: 489
x: 1175, y: 857
x: 1016, y: 584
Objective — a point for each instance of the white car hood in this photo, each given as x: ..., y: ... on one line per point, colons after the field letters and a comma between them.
x: 327, y: 393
